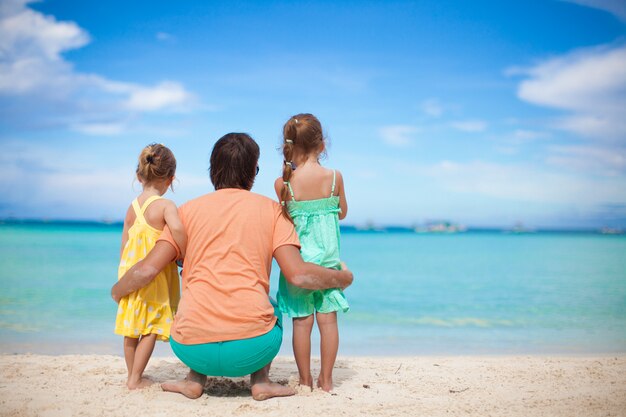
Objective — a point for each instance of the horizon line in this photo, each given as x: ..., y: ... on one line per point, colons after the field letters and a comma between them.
x: 368, y: 226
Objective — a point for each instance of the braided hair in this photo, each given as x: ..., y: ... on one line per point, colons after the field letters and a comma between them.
x: 302, y: 133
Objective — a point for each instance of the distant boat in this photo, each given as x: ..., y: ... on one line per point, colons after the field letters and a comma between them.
x: 440, y: 227
x: 612, y: 231
x: 369, y: 227
x: 519, y: 229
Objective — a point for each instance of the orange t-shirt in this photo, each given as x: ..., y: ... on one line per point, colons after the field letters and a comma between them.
x: 232, y: 235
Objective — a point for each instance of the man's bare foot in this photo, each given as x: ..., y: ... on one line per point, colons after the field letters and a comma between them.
x: 139, y: 384
x: 265, y: 390
x: 189, y: 389
x: 325, y: 383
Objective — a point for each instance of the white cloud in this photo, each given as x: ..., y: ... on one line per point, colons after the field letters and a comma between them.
x: 54, y: 181
x: 165, y: 95
x: 432, y: 107
x: 579, y: 81
x: 616, y: 7
x: 590, y: 159
x: 71, y: 183
x: 602, y: 127
x: 30, y: 46
x: 99, y: 129
x: 32, y: 67
x: 589, y: 83
x: 398, y: 135
x: 470, y: 125
x: 164, y: 36
x: 525, y: 183
x: 512, y: 143
x: 29, y: 33
x: 528, y: 135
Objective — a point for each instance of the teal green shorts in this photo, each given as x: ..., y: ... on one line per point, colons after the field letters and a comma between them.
x: 232, y: 358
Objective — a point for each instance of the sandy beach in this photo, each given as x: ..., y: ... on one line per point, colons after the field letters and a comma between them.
x: 93, y: 385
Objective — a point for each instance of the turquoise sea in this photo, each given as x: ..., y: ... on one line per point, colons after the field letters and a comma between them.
x: 413, y: 294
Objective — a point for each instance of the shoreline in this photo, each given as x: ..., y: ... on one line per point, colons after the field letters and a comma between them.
x: 164, y: 351
x: 476, y: 385
x: 113, y: 346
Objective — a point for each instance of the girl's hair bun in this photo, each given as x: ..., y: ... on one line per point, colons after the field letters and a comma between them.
x: 156, y: 163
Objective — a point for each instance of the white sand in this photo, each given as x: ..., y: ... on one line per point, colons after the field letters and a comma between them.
x: 94, y: 385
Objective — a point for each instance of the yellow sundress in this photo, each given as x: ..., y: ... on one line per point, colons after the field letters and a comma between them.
x: 150, y: 309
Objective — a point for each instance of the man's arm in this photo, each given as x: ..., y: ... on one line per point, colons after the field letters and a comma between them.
x: 307, y: 275
x: 144, y: 271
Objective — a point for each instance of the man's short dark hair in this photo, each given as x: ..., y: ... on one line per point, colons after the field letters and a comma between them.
x: 233, y: 161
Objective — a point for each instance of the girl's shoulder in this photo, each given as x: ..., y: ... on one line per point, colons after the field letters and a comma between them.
x: 165, y: 202
x: 159, y: 206
x: 333, y: 173
x: 130, y: 215
x: 161, y: 202
x: 278, y: 185
x: 330, y: 170
x: 322, y: 172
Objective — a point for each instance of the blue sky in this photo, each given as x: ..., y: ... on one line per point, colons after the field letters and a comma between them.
x: 485, y: 113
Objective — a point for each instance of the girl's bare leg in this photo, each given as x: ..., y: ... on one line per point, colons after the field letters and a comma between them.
x: 142, y: 356
x: 130, y: 345
x: 302, y: 327
x: 329, y: 344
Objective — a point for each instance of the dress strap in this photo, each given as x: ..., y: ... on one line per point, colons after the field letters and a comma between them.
x: 332, y: 190
x: 288, y: 184
x: 148, y: 202
x: 139, y: 211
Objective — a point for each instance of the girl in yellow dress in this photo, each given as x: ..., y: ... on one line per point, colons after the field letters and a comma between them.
x: 147, y: 314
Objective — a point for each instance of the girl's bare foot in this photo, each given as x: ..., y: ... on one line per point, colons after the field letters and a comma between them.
x: 306, y: 382
x: 138, y: 383
x: 325, y: 383
x: 265, y: 390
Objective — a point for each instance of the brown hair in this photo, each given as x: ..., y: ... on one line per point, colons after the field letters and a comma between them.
x: 233, y: 161
x: 302, y: 132
x: 156, y: 163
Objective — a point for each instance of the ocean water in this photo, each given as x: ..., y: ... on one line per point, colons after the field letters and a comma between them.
x: 413, y: 294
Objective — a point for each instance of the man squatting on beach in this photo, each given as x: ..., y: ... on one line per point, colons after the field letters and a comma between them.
x: 225, y: 324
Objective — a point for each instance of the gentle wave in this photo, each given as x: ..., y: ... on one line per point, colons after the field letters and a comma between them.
x: 432, y: 321
x: 19, y: 327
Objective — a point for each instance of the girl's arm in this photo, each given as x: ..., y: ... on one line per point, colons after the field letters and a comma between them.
x: 341, y: 192
x: 128, y: 221
x: 170, y: 215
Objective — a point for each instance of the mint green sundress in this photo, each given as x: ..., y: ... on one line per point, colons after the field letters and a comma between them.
x: 317, y: 225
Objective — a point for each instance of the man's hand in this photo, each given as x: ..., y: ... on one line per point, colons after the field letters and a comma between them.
x: 344, y: 267
x: 115, y: 296
x: 307, y: 275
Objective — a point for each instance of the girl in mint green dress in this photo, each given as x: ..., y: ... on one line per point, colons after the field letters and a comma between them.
x: 313, y: 197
